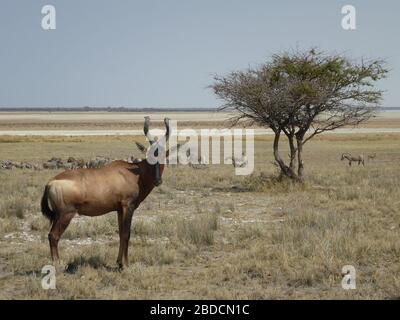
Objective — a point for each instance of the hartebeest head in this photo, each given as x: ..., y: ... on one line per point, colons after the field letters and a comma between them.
x: 157, y: 148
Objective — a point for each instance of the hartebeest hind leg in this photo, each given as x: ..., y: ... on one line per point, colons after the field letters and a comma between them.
x: 124, y: 226
x: 57, y: 229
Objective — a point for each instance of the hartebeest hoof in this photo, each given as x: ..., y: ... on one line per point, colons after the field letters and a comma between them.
x: 60, y: 266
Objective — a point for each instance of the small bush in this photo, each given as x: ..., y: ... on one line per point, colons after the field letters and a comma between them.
x: 8, y: 225
x: 199, y: 231
x: 40, y: 224
x: 156, y: 254
x: 14, y: 207
x: 264, y: 183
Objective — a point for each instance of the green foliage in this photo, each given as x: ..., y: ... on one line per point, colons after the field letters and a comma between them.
x: 295, y: 88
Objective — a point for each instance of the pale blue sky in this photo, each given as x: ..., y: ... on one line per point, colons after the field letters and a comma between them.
x: 164, y: 53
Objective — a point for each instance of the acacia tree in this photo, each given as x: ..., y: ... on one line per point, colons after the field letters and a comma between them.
x: 300, y: 95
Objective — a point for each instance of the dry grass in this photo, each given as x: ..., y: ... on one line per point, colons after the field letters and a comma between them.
x: 212, y: 235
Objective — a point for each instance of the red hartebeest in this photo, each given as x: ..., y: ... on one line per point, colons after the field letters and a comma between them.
x: 119, y: 186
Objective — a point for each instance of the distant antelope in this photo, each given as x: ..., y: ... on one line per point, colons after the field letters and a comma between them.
x: 193, y: 159
x: 53, y: 163
x: 98, y: 162
x: 119, y: 186
x: 239, y: 162
x: 350, y: 158
x: 201, y: 162
x: 371, y: 156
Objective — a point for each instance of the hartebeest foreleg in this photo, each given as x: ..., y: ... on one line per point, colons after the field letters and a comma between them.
x: 119, y: 259
x: 124, y: 226
x: 57, y: 229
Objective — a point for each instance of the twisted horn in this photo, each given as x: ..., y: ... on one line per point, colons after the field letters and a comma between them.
x: 168, y: 132
x: 146, y: 129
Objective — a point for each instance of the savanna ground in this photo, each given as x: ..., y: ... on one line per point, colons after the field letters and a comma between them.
x: 208, y: 234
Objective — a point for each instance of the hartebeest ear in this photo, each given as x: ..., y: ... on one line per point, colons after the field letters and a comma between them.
x: 141, y: 147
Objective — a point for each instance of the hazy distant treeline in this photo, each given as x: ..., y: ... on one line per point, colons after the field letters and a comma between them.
x: 122, y: 109
x: 103, y: 109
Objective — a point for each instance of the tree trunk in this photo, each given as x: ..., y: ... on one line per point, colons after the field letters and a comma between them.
x: 300, y: 170
x: 293, y: 152
x: 285, y: 170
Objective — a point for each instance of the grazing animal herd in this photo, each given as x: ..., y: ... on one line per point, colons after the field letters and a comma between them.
x: 9, y: 165
x: 195, y: 162
x: 358, y: 159
x: 57, y: 163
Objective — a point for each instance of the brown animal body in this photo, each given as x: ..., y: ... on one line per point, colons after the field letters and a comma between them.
x: 119, y: 186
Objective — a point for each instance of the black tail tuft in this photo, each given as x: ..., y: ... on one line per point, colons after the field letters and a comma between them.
x: 47, y: 212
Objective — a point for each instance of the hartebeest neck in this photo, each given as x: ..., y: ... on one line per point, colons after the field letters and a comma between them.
x: 147, y: 173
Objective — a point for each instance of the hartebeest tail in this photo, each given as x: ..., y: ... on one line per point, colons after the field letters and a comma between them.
x: 46, y: 211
